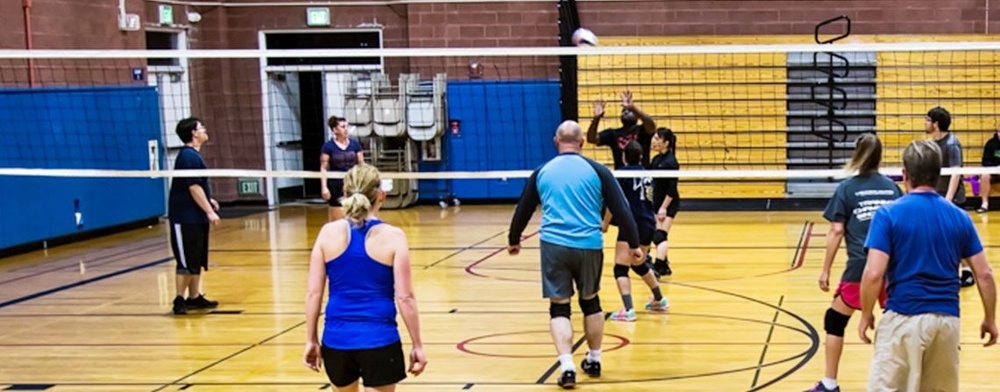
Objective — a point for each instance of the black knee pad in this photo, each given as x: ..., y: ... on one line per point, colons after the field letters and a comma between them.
x: 835, y: 323
x: 590, y: 306
x: 659, y: 236
x: 621, y: 271
x: 559, y: 310
x: 641, y: 269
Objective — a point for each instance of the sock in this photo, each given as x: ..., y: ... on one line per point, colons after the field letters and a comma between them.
x: 829, y: 383
x: 657, y: 295
x: 594, y: 355
x: 627, y: 300
x: 567, y: 362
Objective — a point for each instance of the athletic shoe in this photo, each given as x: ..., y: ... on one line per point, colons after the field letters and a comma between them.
x: 822, y: 388
x: 202, y: 303
x: 568, y: 379
x: 662, y: 268
x: 180, y: 305
x: 593, y: 369
x: 658, y: 306
x: 623, y: 315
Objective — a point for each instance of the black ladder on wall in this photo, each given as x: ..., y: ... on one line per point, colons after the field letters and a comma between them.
x: 830, y: 101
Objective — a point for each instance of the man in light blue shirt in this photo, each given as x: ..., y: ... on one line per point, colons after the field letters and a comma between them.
x: 573, y: 192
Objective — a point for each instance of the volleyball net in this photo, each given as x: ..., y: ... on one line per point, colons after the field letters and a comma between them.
x: 753, y: 121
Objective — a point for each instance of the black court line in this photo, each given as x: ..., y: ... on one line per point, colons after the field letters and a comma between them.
x: 460, y: 250
x: 548, y: 373
x: 83, y: 282
x: 223, y: 359
x: 763, y: 353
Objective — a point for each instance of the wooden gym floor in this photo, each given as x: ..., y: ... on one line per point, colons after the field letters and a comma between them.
x: 746, y: 312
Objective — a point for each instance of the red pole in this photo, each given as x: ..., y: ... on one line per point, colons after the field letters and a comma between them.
x: 27, y: 41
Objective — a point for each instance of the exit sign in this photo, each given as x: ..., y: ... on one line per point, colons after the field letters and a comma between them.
x: 317, y: 17
x: 166, y: 15
x: 248, y: 187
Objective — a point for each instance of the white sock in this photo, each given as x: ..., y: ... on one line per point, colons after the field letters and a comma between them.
x: 829, y: 383
x: 964, y: 268
x: 567, y: 362
x: 594, y: 355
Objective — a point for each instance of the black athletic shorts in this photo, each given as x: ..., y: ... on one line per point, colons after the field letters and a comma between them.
x: 336, y: 187
x: 675, y: 205
x: 376, y: 367
x: 645, y: 234
x: 189, y: 241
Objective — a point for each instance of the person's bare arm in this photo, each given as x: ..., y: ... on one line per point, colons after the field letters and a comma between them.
x: 833, y: 240
x: 988, y: 293
x: 595, y: 122
x: 871, y: 286
x: 406, y: 299
x: 314, y: 298
x: 324, y: 160
x: 198, y: 194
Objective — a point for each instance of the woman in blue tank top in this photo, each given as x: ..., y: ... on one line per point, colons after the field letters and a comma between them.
x: 360, y: 337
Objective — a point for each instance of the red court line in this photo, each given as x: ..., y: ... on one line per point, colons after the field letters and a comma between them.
x: 463, y: 345
x: 469, y: 268
x: 805, y: 246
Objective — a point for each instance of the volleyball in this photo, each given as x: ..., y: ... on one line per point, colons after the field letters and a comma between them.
x: 584, y: 37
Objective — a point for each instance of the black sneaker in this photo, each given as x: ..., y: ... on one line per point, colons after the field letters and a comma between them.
x: 662, y: 268
x: 180, y: 305
x: 202, y: 303
x: 568, y: 379
x: 967, y: 278
x: 822, y: 388
x: 593, y: 369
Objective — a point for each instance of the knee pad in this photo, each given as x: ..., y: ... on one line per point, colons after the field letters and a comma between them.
x: 641, y: 269
x: 621, y: 271
x: 590, y: 306
x: 835, y: 323
x: 559, y: 310
x: 659, y: 236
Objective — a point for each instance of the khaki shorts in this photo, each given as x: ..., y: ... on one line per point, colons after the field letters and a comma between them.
x: 915, y: 353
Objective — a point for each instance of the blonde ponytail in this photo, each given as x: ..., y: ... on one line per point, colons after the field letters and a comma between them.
x: 361, y: 189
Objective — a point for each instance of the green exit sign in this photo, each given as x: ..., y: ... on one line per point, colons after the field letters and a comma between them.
x: 166, y: 15
x: 317, y: 17
x: 249, y: 187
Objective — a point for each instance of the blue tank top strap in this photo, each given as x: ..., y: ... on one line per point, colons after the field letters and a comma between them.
x: 356, y: 234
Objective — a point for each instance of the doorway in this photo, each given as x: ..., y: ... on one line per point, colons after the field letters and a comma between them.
x: 300, y: 95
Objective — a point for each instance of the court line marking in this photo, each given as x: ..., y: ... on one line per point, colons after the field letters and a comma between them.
x: 455, y: 253
x: 98, y: 261
x: 83, y: 282
x: 763, y: 352
x: 800, y: 251
x: 230, y: 356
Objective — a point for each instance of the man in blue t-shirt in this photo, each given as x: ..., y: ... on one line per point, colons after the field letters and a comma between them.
x: 572, y: 191
x: 916, y: 243
x: 191, y: 210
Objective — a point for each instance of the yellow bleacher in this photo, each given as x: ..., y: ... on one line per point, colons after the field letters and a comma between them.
x: 720, y: 104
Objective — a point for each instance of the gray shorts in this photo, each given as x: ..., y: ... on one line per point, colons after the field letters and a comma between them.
x: 561, y: 266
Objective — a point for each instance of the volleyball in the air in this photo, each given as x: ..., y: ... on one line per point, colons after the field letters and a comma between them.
x: 584, y: 37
